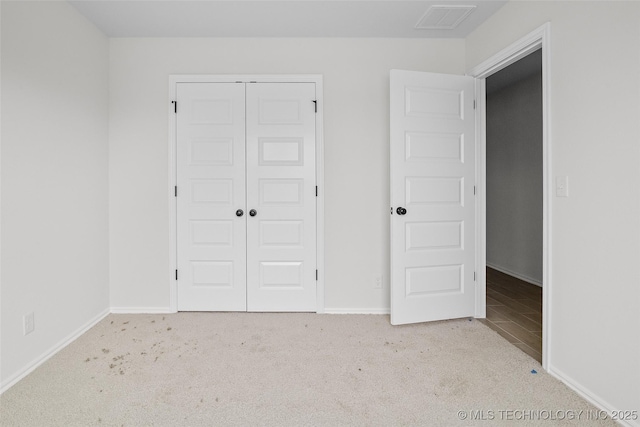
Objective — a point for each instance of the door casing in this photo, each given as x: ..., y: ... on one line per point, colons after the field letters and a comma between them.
x: 539, y: 38
x: 173, y: 81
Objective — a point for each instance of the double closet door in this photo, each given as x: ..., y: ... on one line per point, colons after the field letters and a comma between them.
x: 246, y: 197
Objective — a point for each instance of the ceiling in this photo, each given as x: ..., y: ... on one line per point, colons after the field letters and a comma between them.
x: 289, y: 18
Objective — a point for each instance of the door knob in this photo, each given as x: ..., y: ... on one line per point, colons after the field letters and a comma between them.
x: 253, y: 212
x: 401, y: 211
x: 239, y: 212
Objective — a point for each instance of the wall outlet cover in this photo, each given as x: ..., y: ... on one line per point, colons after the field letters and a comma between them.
x: 29, y: 323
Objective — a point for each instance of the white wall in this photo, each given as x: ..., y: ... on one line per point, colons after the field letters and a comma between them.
x: 514, y: 179
x: 54, y: 179
x: 595, y: 130
x: 356, y: 82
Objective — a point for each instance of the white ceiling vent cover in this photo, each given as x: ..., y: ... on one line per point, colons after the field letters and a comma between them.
x: 444, y: 17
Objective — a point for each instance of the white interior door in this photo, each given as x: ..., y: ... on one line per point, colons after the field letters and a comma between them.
x: 281, y: 192
x: 246, y: 205
x: 432, y: 196
x: 211, y: 238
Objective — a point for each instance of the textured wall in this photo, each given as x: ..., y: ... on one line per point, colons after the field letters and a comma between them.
x: 54, y: 178
x: 356, y: 141
x: 594, y: 288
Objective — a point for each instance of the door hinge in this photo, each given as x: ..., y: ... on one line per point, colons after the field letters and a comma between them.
x: 315, y: 105
x: 175, y: 106
x: 474, y: 276
x: 176, y: 274
x: 474, y: 190
x: 175, y: 191
x: 316, y: 191
x: 316, y: 275
x: 474, y: 104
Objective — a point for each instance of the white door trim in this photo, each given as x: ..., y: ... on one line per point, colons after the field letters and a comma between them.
x: 311, y: 78
x: 539, y: 38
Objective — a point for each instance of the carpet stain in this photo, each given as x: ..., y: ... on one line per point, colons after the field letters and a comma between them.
x: 413, y: 364
x: 343, y: 406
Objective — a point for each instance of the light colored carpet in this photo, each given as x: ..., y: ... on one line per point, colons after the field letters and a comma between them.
x: 259, y: 369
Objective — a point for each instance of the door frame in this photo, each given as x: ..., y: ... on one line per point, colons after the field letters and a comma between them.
x: 174, y: 79
x: 539, y: 38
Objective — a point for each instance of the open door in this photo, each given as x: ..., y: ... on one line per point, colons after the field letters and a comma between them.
x: 432, y: 197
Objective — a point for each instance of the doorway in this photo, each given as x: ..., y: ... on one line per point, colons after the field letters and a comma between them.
x: 538, y: 40
x: 514, y: 203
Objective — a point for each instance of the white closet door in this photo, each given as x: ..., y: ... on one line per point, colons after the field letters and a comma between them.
x: 211, y: 188
x: 281, y: 244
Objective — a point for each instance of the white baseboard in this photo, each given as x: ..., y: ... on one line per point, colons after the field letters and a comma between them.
x: 142, y: 310
x: 516, y: 275
x: 52, y: 351
x: 591, y: 397
x: 356, y: 311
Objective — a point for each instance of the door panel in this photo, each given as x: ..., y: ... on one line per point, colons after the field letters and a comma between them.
x: 432, y: 177
x: 211, y: 181
x: 250, y: 147
x: 281, y: 245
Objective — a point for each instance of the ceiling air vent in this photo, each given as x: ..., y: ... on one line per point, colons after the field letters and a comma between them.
x: 444, y: 17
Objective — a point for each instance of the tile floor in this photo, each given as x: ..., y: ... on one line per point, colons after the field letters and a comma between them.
x: 514, y: 310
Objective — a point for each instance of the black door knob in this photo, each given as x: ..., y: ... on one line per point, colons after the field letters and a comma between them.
x: 401, y: 211
x: 253, y: 212
x: 239, y: 212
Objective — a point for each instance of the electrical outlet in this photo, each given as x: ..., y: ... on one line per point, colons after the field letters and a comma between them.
x: 377, y: 282
x: 562, y: 186
x: 29, y: 323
